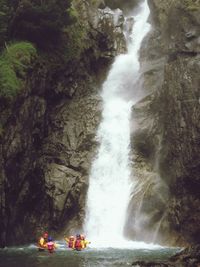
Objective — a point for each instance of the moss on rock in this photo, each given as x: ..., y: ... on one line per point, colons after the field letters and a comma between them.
x: 14, y: 63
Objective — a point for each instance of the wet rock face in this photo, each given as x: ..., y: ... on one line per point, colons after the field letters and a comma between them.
x: 47, y: 153
x: 71, y: 147
x: 189, y: 257
x: 49, y: 138
x: 106, y: 28
x: 180, y: 143
x: 166, y: 131
x: 179, y: 110
x: 180, y: 34
x: 109, y: 24
x: 124, y: 5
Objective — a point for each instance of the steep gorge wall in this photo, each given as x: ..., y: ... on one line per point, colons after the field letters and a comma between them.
x: 48, y: 139
x: 166, y: 142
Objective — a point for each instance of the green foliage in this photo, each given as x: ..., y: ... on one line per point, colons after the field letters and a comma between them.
x: 192, y: 5
x: 73, y: 15
x: 14, y: 63
x: 75, y: 41
x: 9, y: 84
x: 41, y: 22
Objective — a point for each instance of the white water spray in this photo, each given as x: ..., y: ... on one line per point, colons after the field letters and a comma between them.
x: 110, y: 184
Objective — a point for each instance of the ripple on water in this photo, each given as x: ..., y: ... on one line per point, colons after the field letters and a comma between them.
x: 28, y: 256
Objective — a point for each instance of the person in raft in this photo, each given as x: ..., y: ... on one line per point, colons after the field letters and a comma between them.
x: 51, y: 246
x: 42, y: 242
x: 78, y: 243
x: 84, y: 241
x: 81, y: 242
x: 70, y: 241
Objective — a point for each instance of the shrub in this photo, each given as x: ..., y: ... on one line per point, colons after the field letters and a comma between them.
x: 14, y: 63
x: 75, y: 43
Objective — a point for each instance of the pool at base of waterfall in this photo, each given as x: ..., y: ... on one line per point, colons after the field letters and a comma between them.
x: 28, y: 256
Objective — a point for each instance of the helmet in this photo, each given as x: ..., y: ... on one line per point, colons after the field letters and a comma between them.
x: 78, y: 236
x: 71, y: 237
x: 82, y: 237
x: 50, y: 239
x: 45, y: 235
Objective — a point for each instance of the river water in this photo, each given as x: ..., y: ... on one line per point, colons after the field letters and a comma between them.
x: 28, y: 256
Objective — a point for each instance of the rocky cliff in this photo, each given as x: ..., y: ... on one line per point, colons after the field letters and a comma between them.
x: 188, y: 257
x: 166, y: 139
x: 48, y: 132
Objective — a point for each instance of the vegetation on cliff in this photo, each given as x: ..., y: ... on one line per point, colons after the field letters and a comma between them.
x: 14, y: 63
x: 39, y: 40
x: 54, y: 30
x: 49, y: 111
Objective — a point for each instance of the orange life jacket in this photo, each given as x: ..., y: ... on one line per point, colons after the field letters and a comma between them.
x: 71, y: 244
x: 78, y: 244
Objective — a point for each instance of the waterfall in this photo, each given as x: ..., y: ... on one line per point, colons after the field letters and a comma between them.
x: 109, y: 183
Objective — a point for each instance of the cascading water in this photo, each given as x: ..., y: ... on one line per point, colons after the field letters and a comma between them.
x: 110, y: 184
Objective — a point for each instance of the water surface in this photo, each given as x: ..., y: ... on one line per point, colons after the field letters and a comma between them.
x: 28, y: 256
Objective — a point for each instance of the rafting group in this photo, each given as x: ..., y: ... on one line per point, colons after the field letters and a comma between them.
x: 77, y: 242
